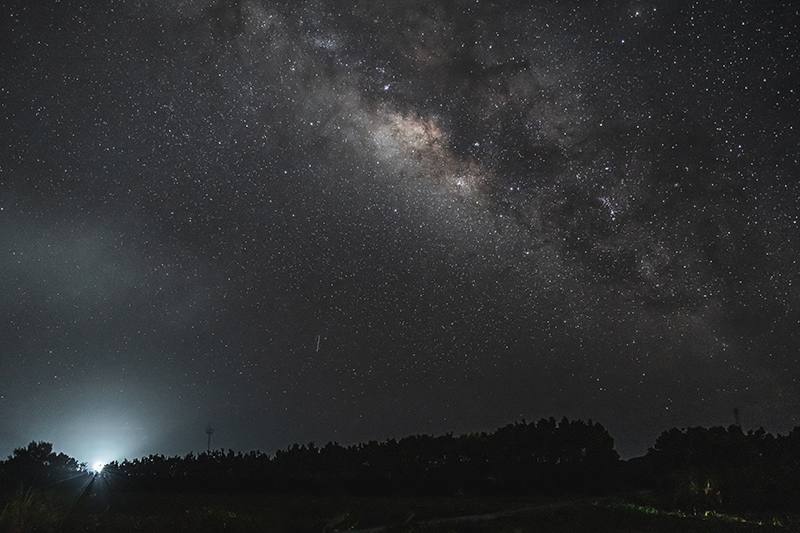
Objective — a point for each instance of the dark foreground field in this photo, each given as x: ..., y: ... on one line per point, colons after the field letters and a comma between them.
x: 169, y: 512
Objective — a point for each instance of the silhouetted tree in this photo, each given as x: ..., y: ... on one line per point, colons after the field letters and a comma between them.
x: 37, y: 465
x: 718, y: 468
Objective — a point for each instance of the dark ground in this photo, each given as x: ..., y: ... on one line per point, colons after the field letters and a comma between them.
x: 101, y: 509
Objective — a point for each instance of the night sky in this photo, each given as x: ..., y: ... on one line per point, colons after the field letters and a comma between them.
x: 340, y: 221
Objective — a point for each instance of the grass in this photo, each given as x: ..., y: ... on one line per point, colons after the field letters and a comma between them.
x: 597, y: 516
x: 253, y: 512
x: 169, y: 512
x: 30, y: 510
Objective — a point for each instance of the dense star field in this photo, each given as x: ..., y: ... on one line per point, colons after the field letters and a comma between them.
x: 338, y: 221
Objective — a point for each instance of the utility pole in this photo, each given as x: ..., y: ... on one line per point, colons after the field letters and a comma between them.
x: 209, y: 431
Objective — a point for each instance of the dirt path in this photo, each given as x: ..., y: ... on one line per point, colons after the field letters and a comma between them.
x: 473, y: 518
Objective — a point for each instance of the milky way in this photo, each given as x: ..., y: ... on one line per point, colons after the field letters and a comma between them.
x: 482, y: 211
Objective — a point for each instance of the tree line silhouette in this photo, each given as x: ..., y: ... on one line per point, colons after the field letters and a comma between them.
x: 726, y: 469
x: 38, y: 466
x: 546, y: 457
x: 694, y: 468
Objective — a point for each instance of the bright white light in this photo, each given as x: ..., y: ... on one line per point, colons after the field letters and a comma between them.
x: 98, y: 467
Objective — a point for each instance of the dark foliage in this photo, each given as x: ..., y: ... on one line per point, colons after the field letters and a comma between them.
x: 726, y: 469
x: 38, y: 466
x: 547, y: 457
x: 695, y: 469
